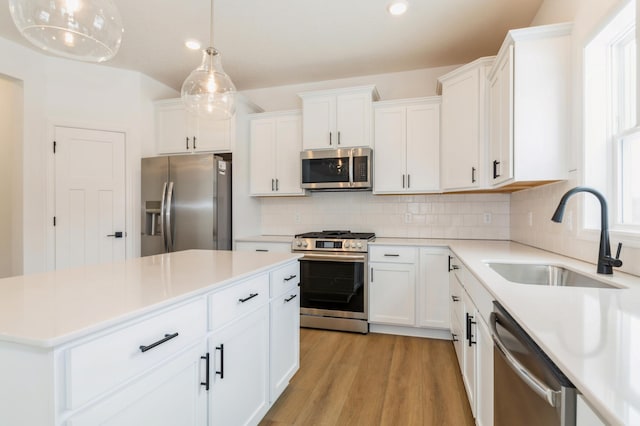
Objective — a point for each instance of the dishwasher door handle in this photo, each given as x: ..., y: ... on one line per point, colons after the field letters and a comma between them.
x: 538, y: 386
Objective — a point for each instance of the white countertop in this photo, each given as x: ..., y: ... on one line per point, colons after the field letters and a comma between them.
x: 54, y: 307
x: 592, y: 335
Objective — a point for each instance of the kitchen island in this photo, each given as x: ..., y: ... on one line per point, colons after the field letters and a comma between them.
x: 183, y: 338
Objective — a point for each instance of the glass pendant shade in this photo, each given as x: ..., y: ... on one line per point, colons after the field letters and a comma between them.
x: 208, y: 91
x: 85, y: 30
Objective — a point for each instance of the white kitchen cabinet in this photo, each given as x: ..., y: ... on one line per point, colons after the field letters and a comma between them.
x: 170, y: 395
x: 264, y: 246
x: 239, y: 356
x: 463, y: 126
x: 178, y: 131
x: 484, y: 373
x: 338, y: 118
x: 392, y: 293
x: 276, y: 142
x: 284, y: 346
x: 470, y: 305
x: 433, y: 288
x: 529, y: 86
x: 469, y: 351
x: 407, y: 146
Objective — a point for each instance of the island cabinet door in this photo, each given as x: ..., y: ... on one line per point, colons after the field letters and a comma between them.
x: 174, y: 393
x: 239, y: 370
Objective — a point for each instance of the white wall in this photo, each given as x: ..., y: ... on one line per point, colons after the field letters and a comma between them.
x: 59, y: 91
x: 10, y: 177
x: 541, y: 202
x: 398, y: 85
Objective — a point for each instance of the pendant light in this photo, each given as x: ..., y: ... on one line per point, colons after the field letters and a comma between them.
x: 208, y: 91
x: 85, y: 30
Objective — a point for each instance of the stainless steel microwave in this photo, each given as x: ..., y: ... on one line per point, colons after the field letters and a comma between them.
x: 337, y: 169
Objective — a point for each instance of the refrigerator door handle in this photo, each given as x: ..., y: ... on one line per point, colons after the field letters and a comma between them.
x: 169, y: 235
x: 162, y: 213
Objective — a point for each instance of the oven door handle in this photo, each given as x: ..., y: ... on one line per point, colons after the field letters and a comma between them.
x: 334, y: 258
x: 538, y: 386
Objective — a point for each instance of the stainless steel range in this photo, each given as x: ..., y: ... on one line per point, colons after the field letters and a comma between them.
x: 334, y: 279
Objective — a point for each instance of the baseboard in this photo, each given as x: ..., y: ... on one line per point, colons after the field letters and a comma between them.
x: 430, y: 333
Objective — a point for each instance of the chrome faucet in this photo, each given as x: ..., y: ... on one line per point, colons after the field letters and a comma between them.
x: 605, y: 261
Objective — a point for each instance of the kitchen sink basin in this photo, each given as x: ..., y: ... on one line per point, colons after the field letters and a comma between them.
x: 549, y: 275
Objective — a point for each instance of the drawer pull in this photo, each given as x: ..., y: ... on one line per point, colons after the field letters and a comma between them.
x: 167, y: 337
x: 262, y: 250
x: 221, y: 349
x: 251, y: 296
x: 454, y: 337
x: 391, y: 255
x: 206, y: 380
x: 455, y: 298
x: 293, y: 296
x: 290, y: 277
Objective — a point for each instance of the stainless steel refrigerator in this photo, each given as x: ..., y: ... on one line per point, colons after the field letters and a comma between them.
x: 186, y: 203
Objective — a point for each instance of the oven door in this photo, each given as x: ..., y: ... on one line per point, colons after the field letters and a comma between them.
x: 334, y: 284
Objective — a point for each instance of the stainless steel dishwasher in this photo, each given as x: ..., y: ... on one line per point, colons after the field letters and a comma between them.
x: 529, y: 389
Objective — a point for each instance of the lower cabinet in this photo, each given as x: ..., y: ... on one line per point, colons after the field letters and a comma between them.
x: 264, y: 246
x: 284, y: 358
x: 169, y: 395
x: 409, y: 288
x: 239, y: 370
x: 392, y: 292
x: 472, y: 339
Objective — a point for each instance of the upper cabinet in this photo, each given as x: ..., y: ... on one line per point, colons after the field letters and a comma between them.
x: 337, y: 118
x: 276, y: 142
x: 177, y: 131
x: 528, y: 91
x: 463, y: 126
x: 407, y: 146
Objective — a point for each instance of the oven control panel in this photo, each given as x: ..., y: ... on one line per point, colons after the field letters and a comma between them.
x: 315, y: 244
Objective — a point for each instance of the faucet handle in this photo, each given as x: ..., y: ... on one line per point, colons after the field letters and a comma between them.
x: 618, y: 251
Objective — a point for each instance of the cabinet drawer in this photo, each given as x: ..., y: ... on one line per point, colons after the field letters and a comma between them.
x: 392, y: 254
x: 238, y: 300
x: 284, y: 278
x: 96, y: 366
x: 263, y: 246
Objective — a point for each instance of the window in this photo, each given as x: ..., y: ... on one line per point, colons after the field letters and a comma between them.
x: 612, y: 134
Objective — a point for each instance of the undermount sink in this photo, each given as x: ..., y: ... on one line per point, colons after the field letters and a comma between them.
x: 549, y: 275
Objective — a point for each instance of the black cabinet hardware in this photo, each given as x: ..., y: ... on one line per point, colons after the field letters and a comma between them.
x: 273, y: 184
x: 450, y: 268
x: 371, y: 274
x: 251, y: 296
x: 402, y: 181
x: 454, y: 337
x: 206, y: 379
x: 391, y: 255
x: 221, y: 349
x: 496, y: 163
x: 408, y: 181
x: 473, y: 175
x: 262, y: 250
x: 330, y: 136
x: 290, y: 277
x: 194, y: 142
x: 470, y: 323
x: 290, y: 298
x: 166, y: 338
x: 117, y: 234
x: 187, y: 138
x: 455, y: 298
x: 338, y: 138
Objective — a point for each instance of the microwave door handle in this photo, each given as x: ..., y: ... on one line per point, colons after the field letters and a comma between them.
x: 351, y: 167
x: 536, y: 385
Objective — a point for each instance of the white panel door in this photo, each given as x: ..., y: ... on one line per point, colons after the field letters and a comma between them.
x: 392, y: 293
x: 263, y: 156
x: 319, y: 122
x: 423, y: 147
x: 390, y: 150
x: 289, y: 145
x: 89, y: 197
x: 353, y: 120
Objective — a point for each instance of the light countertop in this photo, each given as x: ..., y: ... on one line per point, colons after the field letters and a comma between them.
x: 591, y: 334
x: 51, y: 308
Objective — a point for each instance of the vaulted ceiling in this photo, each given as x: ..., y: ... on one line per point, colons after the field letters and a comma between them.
x: 275, y: 42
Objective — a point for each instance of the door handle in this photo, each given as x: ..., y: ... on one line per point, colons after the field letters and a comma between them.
x: 117, y: 234
x: 168, y: 217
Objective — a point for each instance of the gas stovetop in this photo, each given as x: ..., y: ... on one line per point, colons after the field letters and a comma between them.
x: 338, y: 240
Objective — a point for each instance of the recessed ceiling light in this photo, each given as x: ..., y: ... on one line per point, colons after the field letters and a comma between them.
x: 398, y: 7
x: 192, y: 44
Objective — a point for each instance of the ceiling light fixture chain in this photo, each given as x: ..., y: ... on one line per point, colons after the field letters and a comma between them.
x: 208, y: 91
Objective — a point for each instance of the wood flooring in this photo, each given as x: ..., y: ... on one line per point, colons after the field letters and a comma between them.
x: 373, y: 379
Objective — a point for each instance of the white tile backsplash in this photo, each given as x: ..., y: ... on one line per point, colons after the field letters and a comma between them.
x: 563, y: 238
x: 400, y: 216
